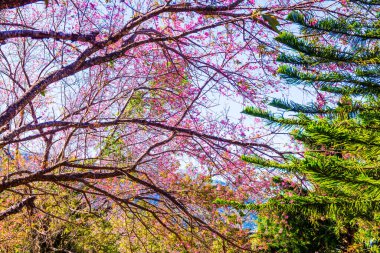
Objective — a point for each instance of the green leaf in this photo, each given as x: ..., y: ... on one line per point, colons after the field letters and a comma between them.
x: 272, y: 21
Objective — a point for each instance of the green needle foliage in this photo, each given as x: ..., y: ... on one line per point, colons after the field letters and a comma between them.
x: 340, y: 168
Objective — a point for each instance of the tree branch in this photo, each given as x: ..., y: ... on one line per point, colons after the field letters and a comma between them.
x: 47, y: 35
x: 16, y: 208
x: 9, y: 138
x: 9, y: 4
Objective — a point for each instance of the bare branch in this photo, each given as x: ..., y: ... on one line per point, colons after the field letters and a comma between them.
x: 16, y: 208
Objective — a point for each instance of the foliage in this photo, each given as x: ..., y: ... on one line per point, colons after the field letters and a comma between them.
x: 63, y: 224
x: 340, y: 196
x: 114, y: 104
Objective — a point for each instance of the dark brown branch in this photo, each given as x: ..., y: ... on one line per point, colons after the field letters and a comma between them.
x: 16, y: 132
x: 16, y: 208
x: 9, y: 4
x: 47, y: 35
x: 41, y: 176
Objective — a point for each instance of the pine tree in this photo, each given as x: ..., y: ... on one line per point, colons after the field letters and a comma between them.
x: 339, y: 56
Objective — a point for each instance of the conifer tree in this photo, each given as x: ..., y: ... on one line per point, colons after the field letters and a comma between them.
x: 339, y: 57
